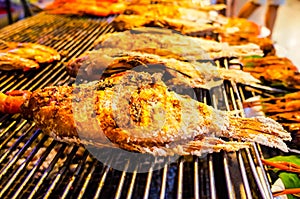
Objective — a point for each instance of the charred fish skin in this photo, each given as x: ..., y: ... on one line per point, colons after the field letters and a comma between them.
x: 145, y: 117
x: 51, y: 109
x: 91, y: 64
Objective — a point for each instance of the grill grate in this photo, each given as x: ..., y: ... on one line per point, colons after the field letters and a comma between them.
x: 34, y: 165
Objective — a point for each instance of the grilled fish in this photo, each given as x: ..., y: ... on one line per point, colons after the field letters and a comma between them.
x: 17, y: 55
x: 190, y: 21
x: 274, y: 71
x: 15, y: 62
x: 86, y: 7
x: 187, y: 27
x: 94, y: 65
x: 136, y: 112
x: 190, y: 48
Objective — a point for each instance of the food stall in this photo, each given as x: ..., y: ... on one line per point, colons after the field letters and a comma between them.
x: 39, y: 164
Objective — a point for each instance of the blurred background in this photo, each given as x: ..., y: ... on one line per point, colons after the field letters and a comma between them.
x: 17, y: 9
x: 287, y: 28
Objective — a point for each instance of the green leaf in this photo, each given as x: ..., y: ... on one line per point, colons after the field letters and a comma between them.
x: 290, y: 196
x: 290, y: 180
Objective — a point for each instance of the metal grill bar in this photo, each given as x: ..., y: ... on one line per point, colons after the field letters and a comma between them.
x: 121, y: 183
x: 227, y: 178
x: 196, y: 178
x: 256, y: 176
x: 26, y: 25
x: 130, y: 190
x: 244, y: 175
x: 261, y: 172
x: 12, y: 162
x: 12, y: 148
x: 101, y: 183
x: 12, y: 134
x: 35, y: 168
x: 16, y: 174
x: 58, y: 176
x: 213, y: 190
x: 180, y: 179
x: 76, y: 174
x: 163, y: 182
x: 147, y: 187
x: 87, y: 180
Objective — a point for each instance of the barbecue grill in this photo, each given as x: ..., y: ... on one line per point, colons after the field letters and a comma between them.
x: 33, y: 165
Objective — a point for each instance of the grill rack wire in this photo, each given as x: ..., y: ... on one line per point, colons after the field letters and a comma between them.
x: 34, y: 165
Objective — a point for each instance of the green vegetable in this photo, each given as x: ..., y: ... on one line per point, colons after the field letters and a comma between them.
x: 290, y: 180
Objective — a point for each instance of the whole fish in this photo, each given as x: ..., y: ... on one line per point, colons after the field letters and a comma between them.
x: 188, y: 48
x: 104, y: 62
x: 135, y: 111
x: 18, y: 55
x: 15, y: 62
